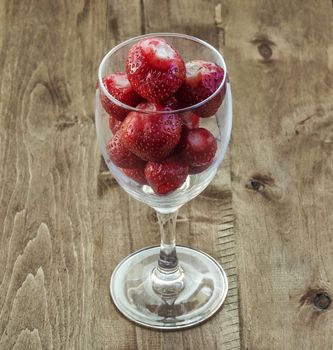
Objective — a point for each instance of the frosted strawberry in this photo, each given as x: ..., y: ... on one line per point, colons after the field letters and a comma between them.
x: 197, y: 147
x: 136, y: 174
x: 202, y: 80
x: 166, y: 176
x: 120, y: 155
x: 155, y: 69
x: 151, y: 136
x: 114, y: 124
x: 119, y: 87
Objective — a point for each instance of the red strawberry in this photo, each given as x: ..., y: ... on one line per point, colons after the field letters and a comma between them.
x: 197, y: 147
x: 119, y: 87
x: 120, y: 155
x: 155, y: 69
x: 114, y: 124
x: 190, y: 120
x: 137, y: 175
x: 166, y: 176
x: 202, y: 80
x: 198, y: 169
x: 171, y: 102
x: 151, y: 136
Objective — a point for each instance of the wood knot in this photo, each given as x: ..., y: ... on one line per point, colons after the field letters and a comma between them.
x: 319, y: 298
x: 322, y: 300
x: 264, y: 46
x: 259, y: 182
x: 256, y: 185
x: 65, y: 124
x: 264, y: 184
x: 153, y: 216
x: 265, y: 51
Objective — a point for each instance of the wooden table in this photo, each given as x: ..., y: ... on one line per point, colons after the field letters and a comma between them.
x: 267, y: 216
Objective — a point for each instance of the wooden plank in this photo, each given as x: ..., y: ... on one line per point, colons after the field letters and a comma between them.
x: 280, y: 64
x: 64, y: 222
x: 56, y: 247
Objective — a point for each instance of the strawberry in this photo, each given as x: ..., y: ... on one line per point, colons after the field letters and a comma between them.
x: 155, y: 69
x: 198, y: 169
x: 151, y: 136
x: 137, y: 174
x: 119, y: 87
x: 120, y: 155
x: 190, y: 120
x: 202, y: 80
x: 197, y: 147
x: 166, y: 176
x: 171, y: 102
x: 114, y: 124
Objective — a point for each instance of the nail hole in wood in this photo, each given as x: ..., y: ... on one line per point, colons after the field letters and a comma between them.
x: 322, y: 300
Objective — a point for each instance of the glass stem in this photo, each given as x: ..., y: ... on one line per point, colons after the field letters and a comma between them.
x: 168, y: 276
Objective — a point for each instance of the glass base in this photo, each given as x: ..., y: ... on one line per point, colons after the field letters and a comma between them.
x: 205, y: 289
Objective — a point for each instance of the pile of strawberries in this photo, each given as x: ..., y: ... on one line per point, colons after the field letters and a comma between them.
x: 161, y: 149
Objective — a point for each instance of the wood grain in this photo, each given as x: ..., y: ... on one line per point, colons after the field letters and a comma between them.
x: 65, y: 224
x: 280, y: 64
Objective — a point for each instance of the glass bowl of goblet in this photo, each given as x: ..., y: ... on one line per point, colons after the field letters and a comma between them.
x: 168, y: 286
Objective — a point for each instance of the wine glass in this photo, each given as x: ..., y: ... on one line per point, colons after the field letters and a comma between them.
x: 168, y: 286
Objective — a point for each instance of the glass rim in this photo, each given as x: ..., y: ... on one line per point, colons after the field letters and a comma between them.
x: 134, y: 39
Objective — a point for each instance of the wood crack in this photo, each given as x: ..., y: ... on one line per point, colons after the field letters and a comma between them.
x: 219, y: 25
x: 143, y: 17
